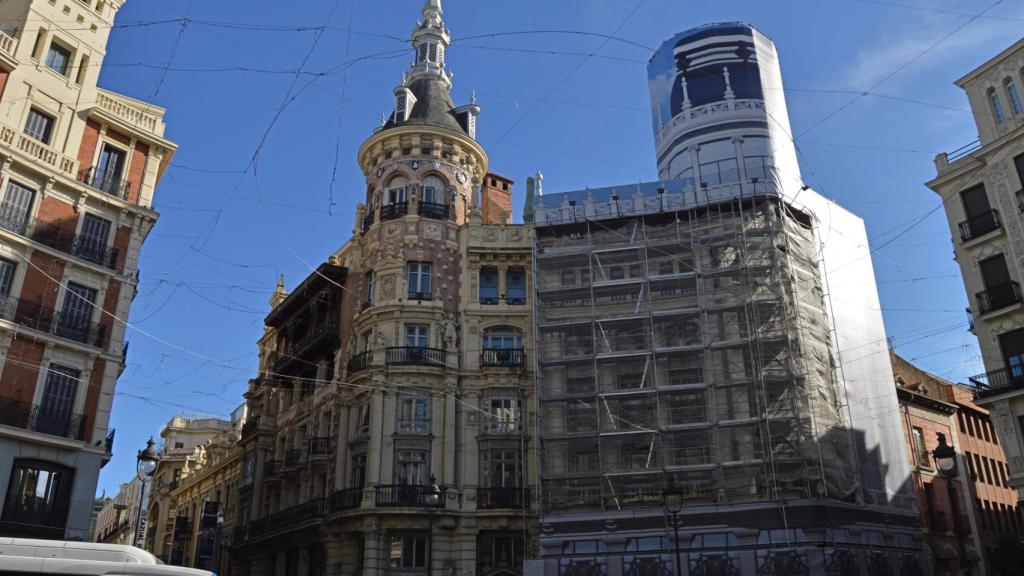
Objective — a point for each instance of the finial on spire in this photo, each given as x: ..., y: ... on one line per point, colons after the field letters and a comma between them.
x: 540, y: 183
x: 279, y: 293
x: 472, y: 97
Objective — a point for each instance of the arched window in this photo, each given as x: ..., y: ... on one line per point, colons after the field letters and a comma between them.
x: 503, y: 346
x: 396, y: 190
x: 997, y: 106
x: 1013, y: 96
x: 433, y: 190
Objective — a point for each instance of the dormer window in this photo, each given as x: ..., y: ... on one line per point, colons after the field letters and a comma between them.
x: 400, y: 102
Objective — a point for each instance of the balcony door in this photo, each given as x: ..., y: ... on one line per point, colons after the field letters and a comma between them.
x: 109, y: 169
x: 76, y: 314
x: 995, y: 275
x: 1012, y: 345
x: 92, y: 242
x: 978, y: 210
x: 58, y: 401
x: 16, y: 207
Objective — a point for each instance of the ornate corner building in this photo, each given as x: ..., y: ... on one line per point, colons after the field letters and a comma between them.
x: 389, y: 429
x: 78, y: 170
x: 981, y: 188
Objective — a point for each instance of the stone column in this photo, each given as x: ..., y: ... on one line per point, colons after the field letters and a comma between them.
x: 372, y: 553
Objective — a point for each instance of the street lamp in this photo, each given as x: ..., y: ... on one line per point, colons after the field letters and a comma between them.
x: 432, y: 498
x: 145, y: 463
x: 945, y: 460
x: 672, y: 500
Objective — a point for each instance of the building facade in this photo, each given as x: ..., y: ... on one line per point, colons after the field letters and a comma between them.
x: 391, y: 422
x: 695, y: 341
x: 981, y: 188
x: 184, y: 442
x: 116, y: 522
x: 78, y: 168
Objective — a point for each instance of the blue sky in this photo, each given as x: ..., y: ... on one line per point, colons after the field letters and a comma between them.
x: 211, y: 263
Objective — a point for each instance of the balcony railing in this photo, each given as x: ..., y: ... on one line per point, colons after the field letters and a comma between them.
x: 320, y: 446
x: 347, y: 499
x: 998, y: 297
x: 36, y: 149
x: 409, y: 495
x: 978, y: 225
x: 997, y: 381
x: 413, y: 426
x: 510, y: 300
x: 63, y: 324
x: 394, y: 210
x: 286, y: 519
x: 7, y: 43
x: 434, y: 210
x: 420, y: 296
x: 360, y: 362
x: 108, y: 181
x: 367, y: 221
x: 42, y: 419
x: 292, y: 458
x: 503, y: 357
x: 502, y: 497
x: 52, y: 235
x: 415, y: 356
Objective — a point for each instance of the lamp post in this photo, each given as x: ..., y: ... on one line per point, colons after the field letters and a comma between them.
x: 945, y: 461
x: 145, y: 464
x: 432, y: 498
x: 672, y: 500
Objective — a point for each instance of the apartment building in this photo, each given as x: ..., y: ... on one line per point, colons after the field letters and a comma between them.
x: 391, y: 428
x: 116, y: 522
x: 715, y: 393
x: 184, y: 442
x: 981, y: 189
x: 78, y: 169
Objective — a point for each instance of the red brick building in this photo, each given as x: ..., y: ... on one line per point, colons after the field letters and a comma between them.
x: 78, y: 168
x: 985, y: 507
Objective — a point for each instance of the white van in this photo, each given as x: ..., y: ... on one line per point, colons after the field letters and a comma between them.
x: 27, y: 557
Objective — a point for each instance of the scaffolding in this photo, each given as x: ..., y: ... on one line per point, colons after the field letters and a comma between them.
x: 693, y: 344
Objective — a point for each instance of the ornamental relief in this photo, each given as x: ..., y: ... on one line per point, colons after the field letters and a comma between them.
x: 387, y: 286
x: 432, y: 231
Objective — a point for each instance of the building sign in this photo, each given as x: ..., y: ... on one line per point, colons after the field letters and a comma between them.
x: 207, y: 535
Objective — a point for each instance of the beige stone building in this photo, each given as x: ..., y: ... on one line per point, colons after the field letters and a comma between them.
x: 78, y: 169
x: 981, y: 188
x: 390, y: 431
x: 116, y: 522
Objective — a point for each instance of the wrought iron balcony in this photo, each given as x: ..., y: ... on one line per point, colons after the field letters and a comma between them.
x: 359, y: 362
x: 367, y: 220
x: 434, y: 210
x: 415, y: 356
x: 407, y: 495
x: 63, y: 324
x: 998, y: 297
x: 503, y: 357
x: 59, y: 238
x: 510, y: 300
x: 107, y: 181
x: 502, y: 497
x: 42, y: 419
x: 979, y: 225
x: 347, y: 499
x: 319, y: 446
x: 997, y: 382
x: 413, y: 426
x: 286, y: 519
x: 393, y: 210
x: 420, y: 296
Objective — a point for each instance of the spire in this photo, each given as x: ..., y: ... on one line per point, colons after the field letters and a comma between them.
x: 279, y: 293
x: 430, y: 40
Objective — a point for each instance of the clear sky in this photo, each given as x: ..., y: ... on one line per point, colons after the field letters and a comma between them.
x: 209, y: 266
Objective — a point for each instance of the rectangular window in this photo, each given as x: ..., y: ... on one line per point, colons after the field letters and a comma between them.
x: 39, y: 494
x: 39, y: 125
x: 413, y: 416
x: 411, y: 468
x: 58, y: 402
x: 75, y: 317
x: 419, y: 280
x: 501, y: 468
x: 503, y: 415
x: 91, y: 244
x: 109, y: 170
x: 369, y: 284
x: 997, y: 106
x: 416, y: 335
x: 7, y: 269
x: 488, y: 285
x: 920, y: 451
x: 363, y: 419
x: 358, y: 470
x: 408, y: 551
x: 515, y: 279
x: 16, y: 207
x: 1014, y: 96
x: 58, y: 58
